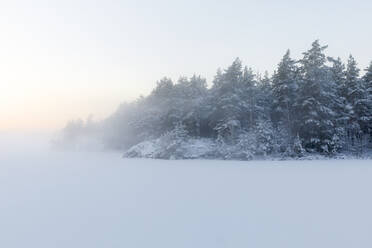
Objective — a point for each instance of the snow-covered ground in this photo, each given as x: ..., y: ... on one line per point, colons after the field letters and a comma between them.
x: 95, y: 199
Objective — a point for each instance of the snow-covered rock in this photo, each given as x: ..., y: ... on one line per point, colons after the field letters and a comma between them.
x: 174, y: 149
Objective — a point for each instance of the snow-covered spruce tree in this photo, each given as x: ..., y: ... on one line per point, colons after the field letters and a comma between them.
x: 264, y: 97
x: 367, y: 80
x: 360, y: 117
x: 284, y: 95
x: 254, y: 93
x: 338, y: 72
x: 249, y: 99
x: 225, y: 101
x: 176, y: 103
x: 160, y: 101
x: 315, y: 104
x: 342, y: 106
x: 188, y: 102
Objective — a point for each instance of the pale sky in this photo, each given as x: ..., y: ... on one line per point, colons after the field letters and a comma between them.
x: 61, y: 60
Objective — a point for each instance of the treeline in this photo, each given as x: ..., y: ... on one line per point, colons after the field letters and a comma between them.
x: 316, y: 104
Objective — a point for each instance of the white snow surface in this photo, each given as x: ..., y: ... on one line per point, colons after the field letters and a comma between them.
x: 98, y: 199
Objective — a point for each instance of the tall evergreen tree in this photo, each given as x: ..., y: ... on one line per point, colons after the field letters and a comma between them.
x: 352, y: 81
x: 225, y: 99
x: 189, y: 99
x: 339, y: 76
x: 315, y: 102
x: 367, y: 79
x: 264, y: 96
x: 284, y: 93
x: 357, y: 97
x: 342, y: 107
x: 248, y: 93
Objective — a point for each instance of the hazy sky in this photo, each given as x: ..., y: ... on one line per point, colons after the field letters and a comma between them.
x: 61, y: 60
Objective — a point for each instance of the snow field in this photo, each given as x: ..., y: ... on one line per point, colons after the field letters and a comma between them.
x: 96, y: 199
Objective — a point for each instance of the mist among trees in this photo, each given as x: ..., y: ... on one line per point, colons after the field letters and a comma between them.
x: 313, y: 105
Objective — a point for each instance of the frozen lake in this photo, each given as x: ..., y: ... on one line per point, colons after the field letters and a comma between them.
x: 95, y: 199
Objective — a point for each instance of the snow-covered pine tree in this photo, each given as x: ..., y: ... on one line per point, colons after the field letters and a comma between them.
x: 367, y: 80
x: 226, y: 102
x: 248, y: 96
x: 284, y: 95
x: 188, y: 103
x: 162, y: 98
x: 163, y: 88
x: 342, y: 106
x: 315, y: 102
x: 357, y: 97
x: 264, y: 96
